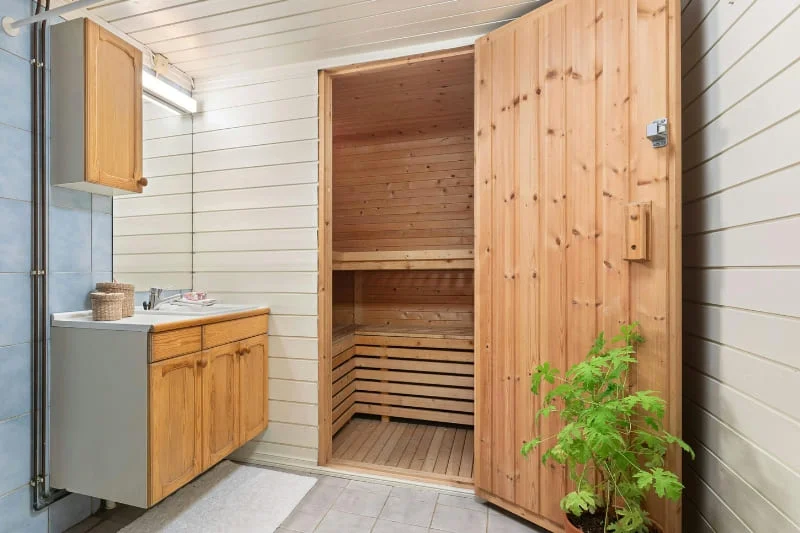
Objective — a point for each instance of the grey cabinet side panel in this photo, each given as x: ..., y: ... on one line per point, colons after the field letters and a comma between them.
x: 99, y: 413
x: 68, y: 102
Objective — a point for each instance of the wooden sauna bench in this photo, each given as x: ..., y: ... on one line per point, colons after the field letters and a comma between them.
x: 403, y: 372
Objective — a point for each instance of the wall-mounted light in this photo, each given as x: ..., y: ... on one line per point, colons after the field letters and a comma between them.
x: 167, y: 96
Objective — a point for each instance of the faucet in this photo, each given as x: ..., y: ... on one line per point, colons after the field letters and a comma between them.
x: 155, y: 300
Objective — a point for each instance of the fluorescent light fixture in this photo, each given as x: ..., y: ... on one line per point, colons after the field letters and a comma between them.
x: 165, y: 94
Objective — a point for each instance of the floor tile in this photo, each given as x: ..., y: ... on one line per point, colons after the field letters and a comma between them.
x: 501, y: 522
x: 412, y: 512
x: 458, y: 520
x: 378, y: 488
x: 414, y: 493
x: 384, y: 526
x: 360, y: 502
x: 467, y: 502
x: 338, y: 522
x: 322, y: 496
x: 304, y: 518
x: 333, y: 481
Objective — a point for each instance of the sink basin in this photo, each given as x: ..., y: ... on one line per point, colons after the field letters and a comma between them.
x: 216, y: 309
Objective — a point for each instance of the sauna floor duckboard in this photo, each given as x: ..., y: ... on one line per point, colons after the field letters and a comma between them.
x: 421, y: 450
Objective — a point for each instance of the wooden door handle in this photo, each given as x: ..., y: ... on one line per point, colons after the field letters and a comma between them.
x: 246, y: 350
x: 142, y: 182
x: 238, y: 353
x: 202, y: 363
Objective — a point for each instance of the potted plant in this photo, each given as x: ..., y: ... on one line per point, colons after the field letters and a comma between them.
x: 613, y: 442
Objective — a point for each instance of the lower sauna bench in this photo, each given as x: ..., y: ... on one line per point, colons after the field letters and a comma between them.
x: 403, y: 400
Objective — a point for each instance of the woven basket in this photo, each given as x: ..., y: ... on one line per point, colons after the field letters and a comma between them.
x: 125, y: 288
x: 107, y: 305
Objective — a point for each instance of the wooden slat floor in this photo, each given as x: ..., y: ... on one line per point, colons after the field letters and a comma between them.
x: 424, y: 450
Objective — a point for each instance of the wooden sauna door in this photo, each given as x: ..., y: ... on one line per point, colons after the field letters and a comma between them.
x: 563, y: 98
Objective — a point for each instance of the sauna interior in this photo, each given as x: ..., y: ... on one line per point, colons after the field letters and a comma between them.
x: 402, y: 260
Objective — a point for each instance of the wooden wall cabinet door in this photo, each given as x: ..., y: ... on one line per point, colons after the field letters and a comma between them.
x: 113, y: 110
x: 175, y: 397
x: 220, y: 377
x: 253, y: 379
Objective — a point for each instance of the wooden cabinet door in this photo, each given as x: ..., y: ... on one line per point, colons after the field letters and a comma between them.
x: 563, y: 98
x: 113, y: 110
x: 174, y: 424
x: 253, y: 387
x: 220, y: 376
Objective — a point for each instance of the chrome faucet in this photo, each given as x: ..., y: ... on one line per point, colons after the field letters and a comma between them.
x: 155, y: 300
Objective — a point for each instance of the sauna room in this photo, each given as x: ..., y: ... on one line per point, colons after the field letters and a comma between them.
x: 402, y: 353
x: 399, y: 266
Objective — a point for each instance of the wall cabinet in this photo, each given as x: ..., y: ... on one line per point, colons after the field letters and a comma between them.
x: 137, y: 422
x: 96, y: 110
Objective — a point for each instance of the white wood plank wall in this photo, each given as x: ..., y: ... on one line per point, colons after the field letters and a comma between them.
x: 255, y: 240
x: 741, y: 81
x: 153, y: 231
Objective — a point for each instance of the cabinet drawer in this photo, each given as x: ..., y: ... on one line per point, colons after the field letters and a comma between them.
x: 233, y: 330
x: 175, y: 343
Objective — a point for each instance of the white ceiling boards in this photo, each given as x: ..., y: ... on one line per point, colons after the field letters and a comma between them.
x: 210, y: 37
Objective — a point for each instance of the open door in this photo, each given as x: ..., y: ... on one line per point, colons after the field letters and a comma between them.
x: 564, y: 96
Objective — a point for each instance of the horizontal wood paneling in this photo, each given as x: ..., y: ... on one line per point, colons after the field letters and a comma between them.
x: 225, y: 36
x: 255, y: 241
x: 418, y: 298
x: 741, y: 367
x: 402, y: 157
x: 153, y: 230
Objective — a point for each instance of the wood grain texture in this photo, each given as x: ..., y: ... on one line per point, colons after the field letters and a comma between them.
x: 175, y: 424
x: 113, y: 123
x: 382, y: 372
x: 402, y: 159
x: 566, y: 131
x: 390, y: 446
x: 253, y: 365
x: 325, y: 277
x: 174, y: 343
x: 219, y: 369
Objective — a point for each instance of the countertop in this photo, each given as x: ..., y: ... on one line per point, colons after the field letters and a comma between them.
x: 157, y: 320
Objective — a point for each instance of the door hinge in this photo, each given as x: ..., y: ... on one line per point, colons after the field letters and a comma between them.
x: 658, y: 133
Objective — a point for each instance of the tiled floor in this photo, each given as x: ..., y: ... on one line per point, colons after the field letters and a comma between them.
x: 338, y: 505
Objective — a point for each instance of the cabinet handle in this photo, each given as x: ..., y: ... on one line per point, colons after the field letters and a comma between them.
x: 202, y: 363
x: 246, y: 350
x: 238, y: 353
x: 142, y: 182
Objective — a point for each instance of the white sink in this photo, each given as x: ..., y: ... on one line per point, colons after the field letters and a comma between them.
x: 184, y: 310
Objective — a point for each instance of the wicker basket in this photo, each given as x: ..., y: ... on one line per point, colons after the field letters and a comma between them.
x: 107, y: 305
x: 125, y: 288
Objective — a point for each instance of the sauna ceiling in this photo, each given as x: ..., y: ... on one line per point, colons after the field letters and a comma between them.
x: 213, y: 37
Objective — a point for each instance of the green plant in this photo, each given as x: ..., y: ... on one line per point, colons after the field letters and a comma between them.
x: 613, y: 442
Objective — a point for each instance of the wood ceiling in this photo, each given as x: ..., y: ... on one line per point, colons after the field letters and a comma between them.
x: 211, y: 37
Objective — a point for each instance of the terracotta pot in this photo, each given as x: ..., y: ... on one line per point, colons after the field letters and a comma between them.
x: 569, y: 528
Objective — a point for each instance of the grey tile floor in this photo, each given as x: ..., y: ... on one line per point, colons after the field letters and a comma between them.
x: 339, y: 505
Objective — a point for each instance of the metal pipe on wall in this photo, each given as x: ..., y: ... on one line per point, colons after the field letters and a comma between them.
x: 42, y: 495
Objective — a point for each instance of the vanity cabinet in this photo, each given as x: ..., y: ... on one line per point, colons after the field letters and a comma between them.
x: 96, y: 110
x: 139, y: 414
x: 175, y: 423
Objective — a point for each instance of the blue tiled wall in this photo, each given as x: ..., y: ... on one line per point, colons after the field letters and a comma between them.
x: 80, y: 255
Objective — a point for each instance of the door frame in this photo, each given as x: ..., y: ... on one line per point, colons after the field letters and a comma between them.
x: 325, y: 235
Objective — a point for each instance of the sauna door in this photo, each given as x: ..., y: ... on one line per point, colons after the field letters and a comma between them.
x: 563, y: 99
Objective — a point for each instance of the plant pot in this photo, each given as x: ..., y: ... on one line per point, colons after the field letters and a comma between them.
x: 570, y: 528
